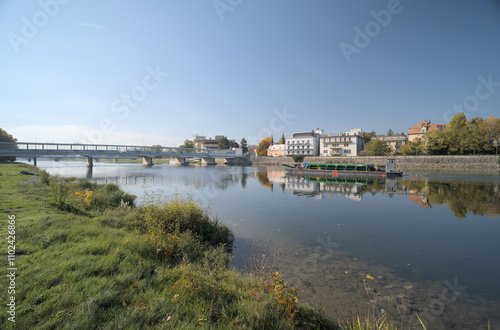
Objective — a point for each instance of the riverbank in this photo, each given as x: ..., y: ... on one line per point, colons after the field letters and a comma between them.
x: 404, y: 163
x: 85, y: 257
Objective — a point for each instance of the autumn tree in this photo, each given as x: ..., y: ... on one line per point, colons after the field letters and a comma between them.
x: 263, y: 146
x: 491, y: 126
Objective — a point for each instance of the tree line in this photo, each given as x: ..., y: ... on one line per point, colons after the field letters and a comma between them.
x: 460, y: 137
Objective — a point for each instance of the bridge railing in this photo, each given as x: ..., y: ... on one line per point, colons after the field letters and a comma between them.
x: 13, y: 147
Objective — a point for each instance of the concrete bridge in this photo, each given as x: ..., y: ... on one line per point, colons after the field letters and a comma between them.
x: 33, y: 150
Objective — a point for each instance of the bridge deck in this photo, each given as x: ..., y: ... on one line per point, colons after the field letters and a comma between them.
x: 31, y: 149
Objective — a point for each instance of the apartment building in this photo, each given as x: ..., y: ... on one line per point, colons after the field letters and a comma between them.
x: 303, y: 144
x: 394, y: 142
x: 345, y: 144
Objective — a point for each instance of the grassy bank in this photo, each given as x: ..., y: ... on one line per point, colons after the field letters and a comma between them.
x: 87, y: 258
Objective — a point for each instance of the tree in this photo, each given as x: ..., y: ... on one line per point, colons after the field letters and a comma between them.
x: 455, y: 131
x: 187, y: 144
x: 473, y: 138
x: 414, y: 147
x: 491, y: 126
x: 6, y: 137
x: 390, y: 132
x: 282, y: 140
x: 223, y: 143
x: 244, y: 145
x: 367, y: 136
x: 263, y: 146
x: 436, y: 142
x: 377, y: 148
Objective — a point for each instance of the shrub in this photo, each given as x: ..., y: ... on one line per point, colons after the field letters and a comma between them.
x: 174, y: 227
x: 298, y: 158
x: 45, y: 177
x: 105, y: 197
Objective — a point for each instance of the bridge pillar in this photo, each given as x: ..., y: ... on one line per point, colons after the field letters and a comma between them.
x: 34, y: 161
x: 180, y: 161
x: 208, y: 161
x: 147, y: 161
x: 89, y: 172
x: 90, y: 163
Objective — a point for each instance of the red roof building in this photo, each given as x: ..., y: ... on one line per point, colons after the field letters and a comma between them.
x: 419, y: 130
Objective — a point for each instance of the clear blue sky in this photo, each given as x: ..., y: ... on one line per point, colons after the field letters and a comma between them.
x: 158, y: 71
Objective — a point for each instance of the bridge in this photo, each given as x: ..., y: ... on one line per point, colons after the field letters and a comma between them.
x: 33, y: 150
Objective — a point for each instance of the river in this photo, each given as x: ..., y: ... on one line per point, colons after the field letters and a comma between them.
x: 425, y: 244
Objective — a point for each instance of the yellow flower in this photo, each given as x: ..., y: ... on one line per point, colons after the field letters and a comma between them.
x: 369, y: 277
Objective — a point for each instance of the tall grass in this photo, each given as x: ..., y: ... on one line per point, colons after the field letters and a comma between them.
x: 103, y: 270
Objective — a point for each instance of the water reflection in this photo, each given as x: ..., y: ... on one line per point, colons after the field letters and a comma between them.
x: 461, y: 197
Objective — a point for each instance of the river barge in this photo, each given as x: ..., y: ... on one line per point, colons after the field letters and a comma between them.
x: 351, y: 171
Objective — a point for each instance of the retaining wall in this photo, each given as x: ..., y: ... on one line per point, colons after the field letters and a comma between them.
x: 402, y: 162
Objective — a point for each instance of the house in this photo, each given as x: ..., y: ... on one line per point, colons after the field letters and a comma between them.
x: 201, y: 142
x: 303, y: 144
x: 252, y: 151
x: 418, y: 131
x: 345, y: 144
x: 394, y: 142
x: 276, y: 150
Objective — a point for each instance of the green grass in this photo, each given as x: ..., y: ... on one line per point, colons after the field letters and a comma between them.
x: 93, y: 260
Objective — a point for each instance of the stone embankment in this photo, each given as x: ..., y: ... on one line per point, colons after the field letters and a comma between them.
x: 402, y: 162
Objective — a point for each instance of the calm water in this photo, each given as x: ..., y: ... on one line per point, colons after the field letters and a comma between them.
x: 425, y: 243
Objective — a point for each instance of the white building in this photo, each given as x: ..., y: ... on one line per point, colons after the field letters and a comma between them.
x: 303, y: 144
x: 346, y: 144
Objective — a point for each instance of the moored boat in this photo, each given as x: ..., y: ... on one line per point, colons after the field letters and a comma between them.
x: 344, y: 170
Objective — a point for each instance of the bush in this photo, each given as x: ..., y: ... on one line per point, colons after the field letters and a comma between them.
x: 180, y: 227
x: 45, y: 177
x: 107, y: 197
x: 298, y: 158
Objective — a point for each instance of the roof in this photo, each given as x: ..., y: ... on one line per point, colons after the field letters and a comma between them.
x: 424, y: 126
x: 277, y: 147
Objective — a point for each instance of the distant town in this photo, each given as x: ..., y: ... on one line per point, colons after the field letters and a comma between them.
x: 460, y: 136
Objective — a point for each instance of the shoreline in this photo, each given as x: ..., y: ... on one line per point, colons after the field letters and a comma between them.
x: 486, y: 162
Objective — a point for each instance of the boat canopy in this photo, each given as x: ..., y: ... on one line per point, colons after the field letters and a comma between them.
x: 339, y: 167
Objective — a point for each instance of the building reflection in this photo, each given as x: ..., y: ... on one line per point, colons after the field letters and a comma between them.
x: 461, y: 197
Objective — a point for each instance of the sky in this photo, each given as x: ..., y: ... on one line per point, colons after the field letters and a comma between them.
x: 160, y: 71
